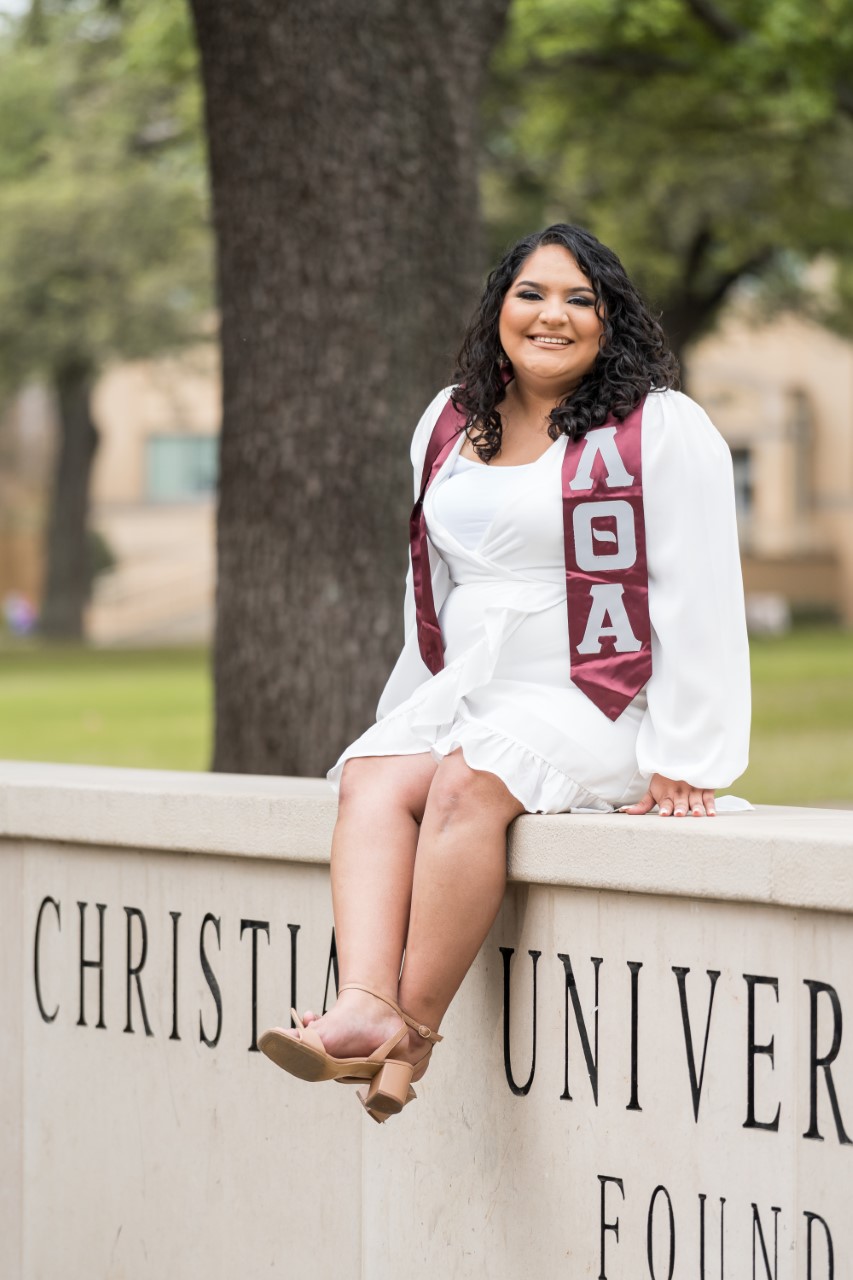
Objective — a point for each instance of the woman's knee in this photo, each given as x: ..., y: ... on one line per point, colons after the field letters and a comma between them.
x: 460, y: 794
x: 356, y: 774
x: 389, y: 781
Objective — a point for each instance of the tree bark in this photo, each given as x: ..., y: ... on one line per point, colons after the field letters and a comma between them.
x: 342, y: 138
x: 68, y: 578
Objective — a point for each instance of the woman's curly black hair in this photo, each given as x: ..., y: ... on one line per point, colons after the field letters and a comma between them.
x: 633, y: 358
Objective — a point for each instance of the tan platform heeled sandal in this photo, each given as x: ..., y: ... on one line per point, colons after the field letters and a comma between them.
x: 305, y: 1057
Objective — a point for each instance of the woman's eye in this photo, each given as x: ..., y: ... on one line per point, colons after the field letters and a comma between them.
x: 580, y: 300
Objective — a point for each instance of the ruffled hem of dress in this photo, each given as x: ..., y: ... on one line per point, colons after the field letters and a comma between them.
x: 533, y: 781
x: 536, y: 784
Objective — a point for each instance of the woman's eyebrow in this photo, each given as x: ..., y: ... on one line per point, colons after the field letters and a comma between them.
x: 575, y: 288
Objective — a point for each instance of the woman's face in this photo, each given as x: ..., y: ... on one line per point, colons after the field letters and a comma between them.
x: 548, y: 324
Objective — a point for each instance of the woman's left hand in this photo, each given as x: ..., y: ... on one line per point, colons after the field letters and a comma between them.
x: 674, y: 798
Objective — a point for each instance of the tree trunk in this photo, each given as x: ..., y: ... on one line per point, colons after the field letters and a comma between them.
x: 342, y: 143
x: 69, y: 578
x: 696, y: 300
x: 685, y: 320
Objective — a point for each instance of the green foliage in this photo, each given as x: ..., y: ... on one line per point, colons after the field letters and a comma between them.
x: 105, y: 245
x: 701, y: 138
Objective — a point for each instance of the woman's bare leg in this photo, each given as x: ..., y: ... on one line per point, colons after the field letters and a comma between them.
x: 434, y: 889
x: 459, y: 882
x: 380, y: 807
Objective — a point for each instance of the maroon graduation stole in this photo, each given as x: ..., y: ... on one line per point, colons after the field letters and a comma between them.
x: 450, y: 422
x: 607, y: 582
x: 607, y: 578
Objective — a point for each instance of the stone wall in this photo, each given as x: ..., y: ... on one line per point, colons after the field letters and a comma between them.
x: 646, y: 1073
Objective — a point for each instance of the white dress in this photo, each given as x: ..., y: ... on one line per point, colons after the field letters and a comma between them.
x: 505, y: 696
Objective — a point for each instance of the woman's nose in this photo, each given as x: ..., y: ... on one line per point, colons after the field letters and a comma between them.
x: 553, y: 312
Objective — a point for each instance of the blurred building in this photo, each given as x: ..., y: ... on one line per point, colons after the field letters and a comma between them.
x: 153, y: 498
x: 781, y: 394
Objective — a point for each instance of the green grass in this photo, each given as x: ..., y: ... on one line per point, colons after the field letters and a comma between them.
x: 147, y: 709
x: 152, y: 709
x: 802, y: 726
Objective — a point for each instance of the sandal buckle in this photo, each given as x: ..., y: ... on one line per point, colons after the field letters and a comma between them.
x: 425, y: 1032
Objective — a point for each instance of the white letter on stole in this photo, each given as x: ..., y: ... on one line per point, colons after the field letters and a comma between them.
x: 626, y: 543
x: 607, y: 603
x: 601, y: 440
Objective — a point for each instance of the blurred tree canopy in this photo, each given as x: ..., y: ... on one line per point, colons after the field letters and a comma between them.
x: 709, y: 141
x: 105, y: 246
x: 705, y: 140
x: 104, y: 239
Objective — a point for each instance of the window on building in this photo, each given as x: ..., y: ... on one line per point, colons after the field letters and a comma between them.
x: 800, y: 425
x: 742, y: 463
x: 179, y: 468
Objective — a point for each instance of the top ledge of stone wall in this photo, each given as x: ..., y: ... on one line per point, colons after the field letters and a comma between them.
x: 777, y: 856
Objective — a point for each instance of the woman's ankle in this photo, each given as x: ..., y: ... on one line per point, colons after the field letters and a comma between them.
x: 368, y: 997
x: 423, y: 1010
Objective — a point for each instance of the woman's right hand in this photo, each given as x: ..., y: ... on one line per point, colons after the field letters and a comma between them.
x: 674, y: 798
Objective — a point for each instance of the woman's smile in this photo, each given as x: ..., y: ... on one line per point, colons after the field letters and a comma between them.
x: 543, y: 340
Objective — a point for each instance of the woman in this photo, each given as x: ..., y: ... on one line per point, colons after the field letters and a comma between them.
x: 517, y: 714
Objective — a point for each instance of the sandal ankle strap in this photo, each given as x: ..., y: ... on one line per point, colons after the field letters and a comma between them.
x: 422, y: 1029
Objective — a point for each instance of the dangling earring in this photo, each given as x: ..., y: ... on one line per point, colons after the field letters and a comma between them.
x: 503, y: 359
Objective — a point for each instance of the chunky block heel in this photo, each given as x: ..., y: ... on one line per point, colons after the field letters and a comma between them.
x: 377, y: 1113
x: 388, y: 1092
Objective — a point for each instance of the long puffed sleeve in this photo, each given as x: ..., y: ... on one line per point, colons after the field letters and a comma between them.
x: 410, y: 669
x: 696, y: 726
